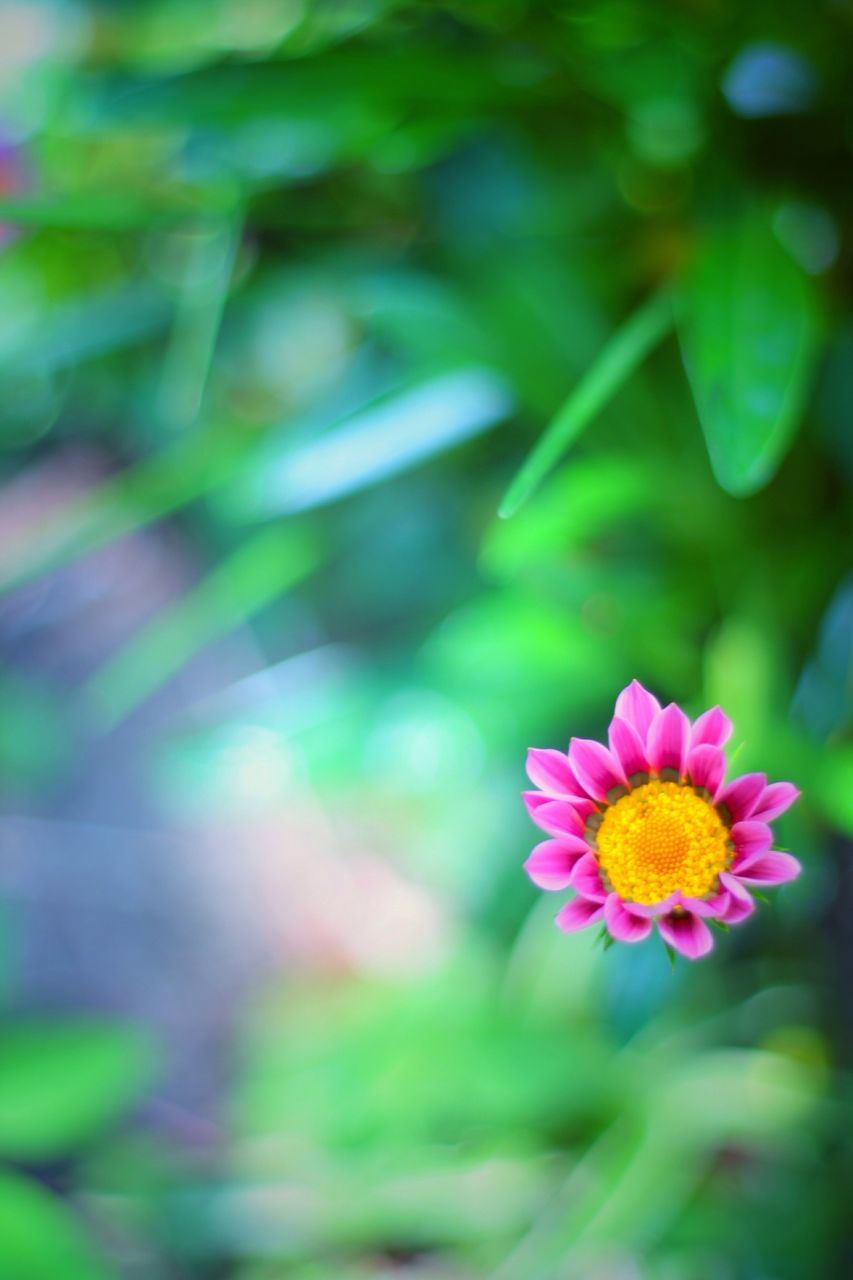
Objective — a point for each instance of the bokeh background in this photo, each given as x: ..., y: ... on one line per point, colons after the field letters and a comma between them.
x: 295, y: 296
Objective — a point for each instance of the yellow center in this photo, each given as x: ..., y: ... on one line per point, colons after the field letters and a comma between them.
x: 660, y: 837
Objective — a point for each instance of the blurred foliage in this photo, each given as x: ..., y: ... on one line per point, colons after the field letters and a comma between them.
x: 315, y: 289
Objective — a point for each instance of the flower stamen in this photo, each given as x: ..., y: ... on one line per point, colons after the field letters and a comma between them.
x: 660, y: 838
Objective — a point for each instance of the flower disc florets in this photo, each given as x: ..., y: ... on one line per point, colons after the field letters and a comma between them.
x: 661, y: 838
x: 647, y: 831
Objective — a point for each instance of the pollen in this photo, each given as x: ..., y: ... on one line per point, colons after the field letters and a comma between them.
x: 660, y: 838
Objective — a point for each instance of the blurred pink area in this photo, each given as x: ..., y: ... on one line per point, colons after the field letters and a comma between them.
x: 129, y: 907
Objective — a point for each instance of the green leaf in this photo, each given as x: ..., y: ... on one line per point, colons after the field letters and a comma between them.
x: 61, y: 1085
x: 210, y: 252
x: 749, y: 329
x: 110, y: 210
x: 396, y: 433
x: 628, y: 347
x: 82, y: 328
x: 39, y: 1238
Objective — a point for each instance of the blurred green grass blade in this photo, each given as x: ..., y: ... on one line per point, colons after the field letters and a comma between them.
x: 628, y: 347
x: 85, y: 328
x: 632, y: 1184
x: 399, y: 432
x: 749, y: 329
x: 254, y: 575
x: 202, y: 296
x: 61, y: 1085
x: 40, y: 1238
x: 137, y: 497
x: 579, y: 504
x: 385, y: 438
x: 112, y: 210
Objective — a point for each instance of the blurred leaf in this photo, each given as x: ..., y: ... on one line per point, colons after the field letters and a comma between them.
x: 136, y: 497
x: 634, y: 1182
x: 421, y: 315
x: 252, y: 576
x: 577, y: 506
x: 523, y: 661
x: 552, y: 971
x: 62, y: 1085
x: 355, y: 1071
x: 628, y: 347
x: 749, y: 330
x: 540, y: 309
x: 389, y: 437
x: 40, y: 1239
x: 84, y: 328
x: 37, y: 347
x: 109, y: 210
x: 832, y: 785
x: 742, y: 674
x: 33, y: 733
x: 427, y: 1198
x: 357, y: 93
x: 202, y: 294
x: 824, y: 698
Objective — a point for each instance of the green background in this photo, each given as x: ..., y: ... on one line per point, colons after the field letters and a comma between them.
x: 385, y: 385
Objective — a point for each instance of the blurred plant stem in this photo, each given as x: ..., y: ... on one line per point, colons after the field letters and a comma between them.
x: 627, y: 349
x: 202, y: 294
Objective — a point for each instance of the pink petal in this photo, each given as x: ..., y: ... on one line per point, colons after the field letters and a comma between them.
x: 735, y: 903
x: 699, y: 907
x: 768, y: 868
x: 583, y: 806
x: 742, y: 795
x: 595, y: 767
x: 537, y: 800
x: 622, y: 923
x: 688, y: 934
x: 551, y: 863
x: 586, y: 878
x: 667, y: 739
x: 549, y: 770
x: 627, y: 746
x: 735, y: 910
x: 639, y: 707
x: 713, y: 728
x: 778, y: 797
x: 577, y: 914
x: 655, y: 909
x: 706, y: 767
x: 558, y: 818
x: 751, y: 838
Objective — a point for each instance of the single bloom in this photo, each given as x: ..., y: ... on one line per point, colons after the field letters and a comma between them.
x: 648, y: 832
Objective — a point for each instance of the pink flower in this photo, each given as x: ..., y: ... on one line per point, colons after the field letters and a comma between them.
x: 646, y: 831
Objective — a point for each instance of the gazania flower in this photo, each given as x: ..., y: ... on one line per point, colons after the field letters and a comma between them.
x: 648, y: 832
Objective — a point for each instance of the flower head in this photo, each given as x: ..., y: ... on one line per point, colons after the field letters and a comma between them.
x: 646, y: 831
